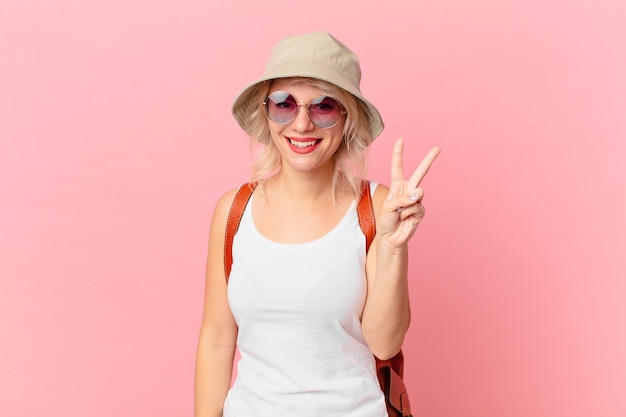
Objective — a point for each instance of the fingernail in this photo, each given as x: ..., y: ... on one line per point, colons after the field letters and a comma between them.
x: 414, y: 197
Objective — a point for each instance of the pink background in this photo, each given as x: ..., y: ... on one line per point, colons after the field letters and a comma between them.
x: 116, y: 140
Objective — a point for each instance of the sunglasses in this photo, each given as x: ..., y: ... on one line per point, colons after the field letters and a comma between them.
x: 282, y: 108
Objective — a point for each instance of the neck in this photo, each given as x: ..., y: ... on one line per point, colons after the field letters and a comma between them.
x: 303, y: 186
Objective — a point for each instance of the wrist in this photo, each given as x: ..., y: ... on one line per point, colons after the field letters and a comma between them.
x: 386, y: 247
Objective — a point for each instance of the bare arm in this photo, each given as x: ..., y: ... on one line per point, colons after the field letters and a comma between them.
x: 218, y: 332
x: 398, y: 209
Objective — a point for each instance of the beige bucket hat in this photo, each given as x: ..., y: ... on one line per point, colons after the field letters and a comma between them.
x: 314, y: 55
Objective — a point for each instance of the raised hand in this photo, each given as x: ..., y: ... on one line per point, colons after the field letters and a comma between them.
x: 402, y: 211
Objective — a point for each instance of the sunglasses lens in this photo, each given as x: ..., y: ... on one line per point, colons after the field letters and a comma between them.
x: 324, y: 112
x: 282, y: 108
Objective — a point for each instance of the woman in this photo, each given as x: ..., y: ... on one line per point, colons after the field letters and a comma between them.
x: 306, y: 304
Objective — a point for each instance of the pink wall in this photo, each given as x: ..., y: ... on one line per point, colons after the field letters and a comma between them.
x: 116, y: 140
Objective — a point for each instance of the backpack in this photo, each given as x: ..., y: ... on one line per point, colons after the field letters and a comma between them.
x: 389, y: 371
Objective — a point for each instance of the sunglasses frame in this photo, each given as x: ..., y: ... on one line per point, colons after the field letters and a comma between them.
x: 342, y: 110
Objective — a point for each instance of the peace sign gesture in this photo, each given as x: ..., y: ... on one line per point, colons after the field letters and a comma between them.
x: 402, y: 211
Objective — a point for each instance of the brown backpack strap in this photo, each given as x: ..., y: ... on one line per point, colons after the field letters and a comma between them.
x: 232, y: 224
x: 365, y: 211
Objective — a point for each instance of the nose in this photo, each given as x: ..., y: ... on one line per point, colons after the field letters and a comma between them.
x: 302, y: 121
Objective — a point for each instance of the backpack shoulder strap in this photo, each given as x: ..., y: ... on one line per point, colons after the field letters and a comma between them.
x: 232, y: 224
x: 365, y: 211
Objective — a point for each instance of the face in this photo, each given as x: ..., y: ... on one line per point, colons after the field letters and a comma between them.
x: 303, y: 145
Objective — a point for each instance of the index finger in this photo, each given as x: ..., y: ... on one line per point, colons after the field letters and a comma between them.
x: 396, y: 161
x: 424, y: 166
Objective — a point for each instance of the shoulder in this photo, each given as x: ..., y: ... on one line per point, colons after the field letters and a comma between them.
x: 224, y: 202
x: 228, y: 199
x: 378, y: 198
x: 221, y: 210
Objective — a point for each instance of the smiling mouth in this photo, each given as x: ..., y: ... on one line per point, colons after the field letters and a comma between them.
x: 302, y: 145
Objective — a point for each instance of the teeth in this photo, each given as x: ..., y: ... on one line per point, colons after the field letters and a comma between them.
x: 302, y: 144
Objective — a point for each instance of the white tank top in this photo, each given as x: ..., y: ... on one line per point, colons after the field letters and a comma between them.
x: 298, y: 308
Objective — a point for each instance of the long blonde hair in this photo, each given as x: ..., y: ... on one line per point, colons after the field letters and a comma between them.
x: 350, y: 160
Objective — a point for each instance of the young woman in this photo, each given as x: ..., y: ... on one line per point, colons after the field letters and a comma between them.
x: 306, y: 304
